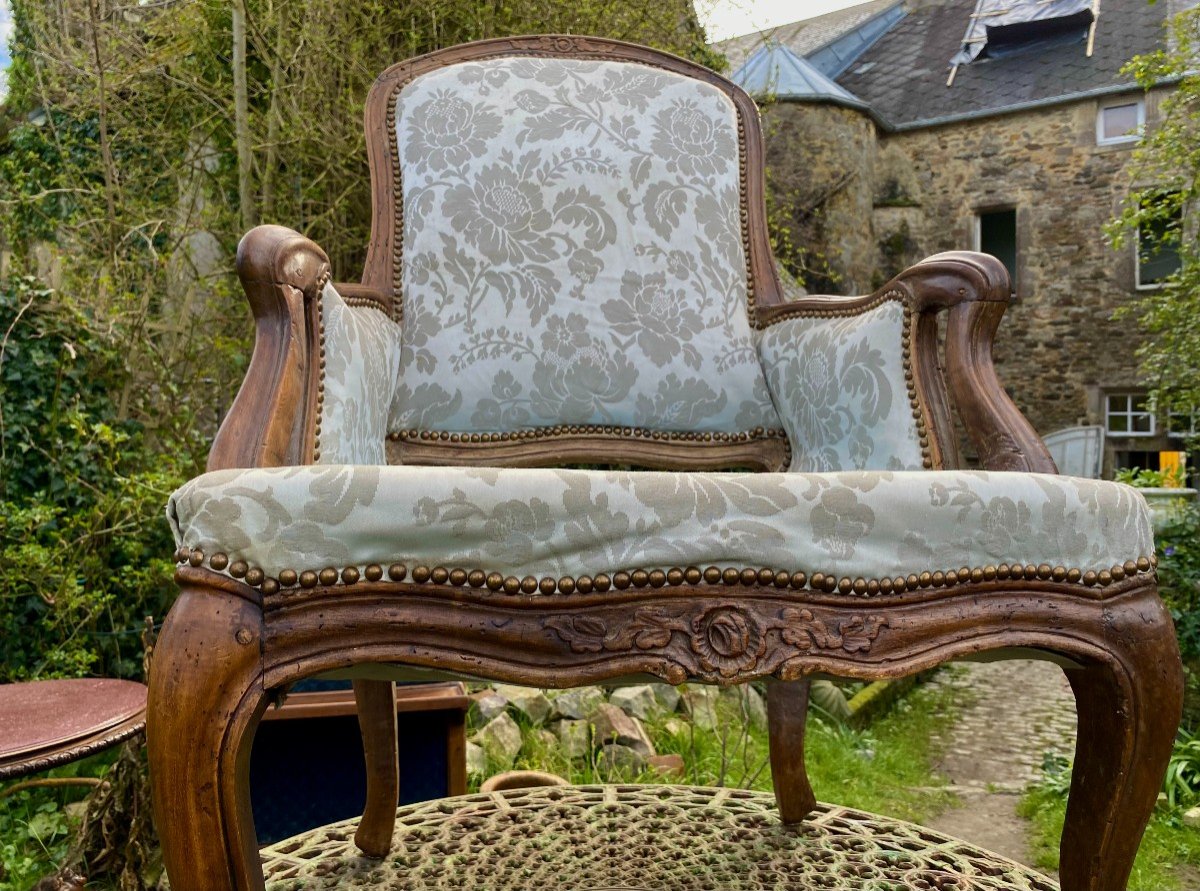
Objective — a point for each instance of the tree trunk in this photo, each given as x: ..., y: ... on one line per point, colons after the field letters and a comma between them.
x: 241, y: 117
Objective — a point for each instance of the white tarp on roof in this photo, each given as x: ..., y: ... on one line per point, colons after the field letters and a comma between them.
x: 997, y: 13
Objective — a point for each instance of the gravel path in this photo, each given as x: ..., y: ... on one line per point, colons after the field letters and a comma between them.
x: 1015, y: 713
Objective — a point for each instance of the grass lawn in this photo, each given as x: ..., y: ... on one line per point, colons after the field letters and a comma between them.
x: 884, y: 768
x: 1168, y: 860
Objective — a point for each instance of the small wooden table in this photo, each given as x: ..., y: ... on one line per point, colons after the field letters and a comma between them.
x: 47, y: 723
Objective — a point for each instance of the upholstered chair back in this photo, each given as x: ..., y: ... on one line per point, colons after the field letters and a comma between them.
x: 569, y: 242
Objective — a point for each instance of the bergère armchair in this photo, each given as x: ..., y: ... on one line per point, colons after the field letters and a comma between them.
x: 569, y: 265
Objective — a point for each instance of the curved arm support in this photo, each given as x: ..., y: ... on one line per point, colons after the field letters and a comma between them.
x: 949, y: 279
x: 271, y: 419
x: 974, y: 290
x: 1003, y: 437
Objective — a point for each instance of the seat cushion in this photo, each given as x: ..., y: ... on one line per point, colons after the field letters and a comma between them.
x: 869, y: 525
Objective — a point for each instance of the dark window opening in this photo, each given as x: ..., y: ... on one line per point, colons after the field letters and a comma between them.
x: 1127, y: 460
x: 1004, y: 40
x: 1158, y: 244
x: 998, y: 237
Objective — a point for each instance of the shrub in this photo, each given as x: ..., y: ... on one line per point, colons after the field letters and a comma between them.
x: 84, y: 551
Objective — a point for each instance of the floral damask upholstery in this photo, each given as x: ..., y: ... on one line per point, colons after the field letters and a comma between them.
x: 543, y: 522
x: 839, y: 386
x: 572, y: 251
x: 362, y: 370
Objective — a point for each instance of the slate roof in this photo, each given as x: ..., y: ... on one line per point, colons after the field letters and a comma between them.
x: 775, y: 70
x: 903, y: 75
x: 805, y: 36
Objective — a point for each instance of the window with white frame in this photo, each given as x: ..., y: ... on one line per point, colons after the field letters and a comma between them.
x: 1128, y: 414
x: 1119, y: 122
x: 1158, y: 243
x: 1183, y: 424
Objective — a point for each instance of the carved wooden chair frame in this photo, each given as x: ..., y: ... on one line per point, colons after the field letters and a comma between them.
x: 232, y: 644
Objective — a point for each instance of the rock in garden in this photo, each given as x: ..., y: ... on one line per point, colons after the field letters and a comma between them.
x: 700, y: 702
x: 548, y: 740
x: 640, y: 702
x: 476, y: 760
x: 575, y: 739
x: 748, y: 704
x: 501, y: 740
x: 614, y: 726
x: 1191, y: 818
x: 621, y: 760
x: 486, y: 705
x: 532, y: 703
x: 667, y: 696
x: 677, y: 727
x: 669, y: 767
x: 578, y: 703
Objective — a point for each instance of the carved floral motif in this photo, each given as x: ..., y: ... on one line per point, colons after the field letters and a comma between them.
x: 723, y: 640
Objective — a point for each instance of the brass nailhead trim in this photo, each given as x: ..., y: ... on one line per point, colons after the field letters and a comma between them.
x: 591, y: 430
x: 747, y: 576
x: 320, y: 304
x: 364, y: 303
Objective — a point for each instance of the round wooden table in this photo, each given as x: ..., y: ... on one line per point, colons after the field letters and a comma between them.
x: 47, y: 723
x: 640, y: 838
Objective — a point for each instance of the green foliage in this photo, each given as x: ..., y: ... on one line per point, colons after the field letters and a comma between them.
x: 125, y: 332
x: 1167, y: 162
x: 1179, y: 578
x: 36, y: 823
x: 84, y: 553
x: 884, y: 768
x: 1182, y: 782
x: 1141, y: 478
x: 1167, y: 845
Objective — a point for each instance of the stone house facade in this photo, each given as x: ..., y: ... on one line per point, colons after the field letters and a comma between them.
x: 1023, y: 155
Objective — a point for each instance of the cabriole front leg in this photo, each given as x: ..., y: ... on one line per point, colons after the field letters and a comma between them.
x: 206, y: 697
x: 1129, y: 702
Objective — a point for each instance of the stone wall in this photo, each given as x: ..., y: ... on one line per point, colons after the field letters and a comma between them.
x: 1059, y: 341
x: 820, y: 171
x: 1059, y: 348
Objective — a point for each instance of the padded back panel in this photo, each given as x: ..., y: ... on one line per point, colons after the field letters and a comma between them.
x: 843, y: 388
x: 572, y: 251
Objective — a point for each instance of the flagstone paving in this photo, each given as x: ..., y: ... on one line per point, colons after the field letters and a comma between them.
x: 1013, y: 714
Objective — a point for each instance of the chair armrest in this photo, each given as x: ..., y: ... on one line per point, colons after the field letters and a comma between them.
x: 273, y: 417
x: 974, y: 290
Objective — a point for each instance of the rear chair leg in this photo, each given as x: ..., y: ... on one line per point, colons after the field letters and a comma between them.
x: 787, y: 708
x: 376, y: 702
